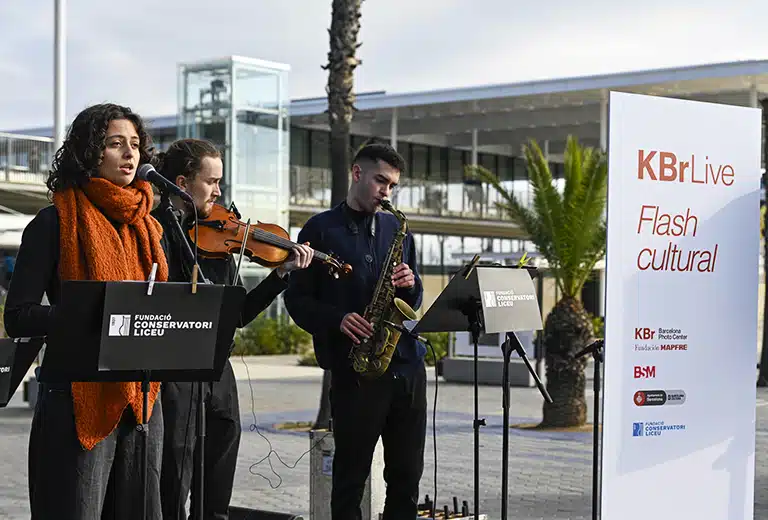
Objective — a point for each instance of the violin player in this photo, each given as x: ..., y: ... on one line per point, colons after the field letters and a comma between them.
x: 195, y: 166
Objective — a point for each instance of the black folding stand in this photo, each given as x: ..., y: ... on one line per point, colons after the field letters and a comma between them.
x: 199, y: 453
x: 460, y: 303
x: 596, y: 349
x: 16, y: 356
x: 473, y: 310
x: 103, y: 348
x: 512, y: 343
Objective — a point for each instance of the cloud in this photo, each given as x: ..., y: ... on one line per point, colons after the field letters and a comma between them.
x: 130, y: 54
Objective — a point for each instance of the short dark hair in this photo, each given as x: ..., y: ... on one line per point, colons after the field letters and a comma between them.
x: 80, y: 154
x: 376, y: 151
x: 184, y: 157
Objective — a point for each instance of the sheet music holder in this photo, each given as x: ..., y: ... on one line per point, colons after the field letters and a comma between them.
x: 16, y: 357
x: 503, y: 287
x: 109, y: 343
x: 487, y: 299
x: 141, y: 331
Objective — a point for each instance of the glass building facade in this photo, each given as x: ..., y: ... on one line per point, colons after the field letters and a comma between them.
x: 434, y: 182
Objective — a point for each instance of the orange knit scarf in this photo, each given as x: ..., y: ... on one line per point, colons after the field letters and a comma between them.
x: 108, y: 234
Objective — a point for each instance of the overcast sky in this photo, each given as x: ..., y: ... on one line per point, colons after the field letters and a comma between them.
x: 128, y: 52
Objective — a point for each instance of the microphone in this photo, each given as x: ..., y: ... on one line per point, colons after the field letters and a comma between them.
x: 405, y: 331
x: 148, y: 173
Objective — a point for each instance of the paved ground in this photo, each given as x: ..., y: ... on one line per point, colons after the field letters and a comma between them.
x: 550, y: 473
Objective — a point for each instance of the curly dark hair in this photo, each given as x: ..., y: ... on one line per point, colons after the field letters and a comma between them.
x: 80, y: 154
x: 184, y: 157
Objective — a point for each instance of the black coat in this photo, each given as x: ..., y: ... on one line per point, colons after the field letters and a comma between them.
x: 317, y: 302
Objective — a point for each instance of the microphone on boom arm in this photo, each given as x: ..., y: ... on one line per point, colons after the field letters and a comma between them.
x: 406, y: 331
x: 148, y: 173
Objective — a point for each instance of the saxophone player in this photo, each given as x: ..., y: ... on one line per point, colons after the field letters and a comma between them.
x: 393, y: 405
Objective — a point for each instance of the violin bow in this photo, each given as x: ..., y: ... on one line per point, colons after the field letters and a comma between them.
x: 242, y: 251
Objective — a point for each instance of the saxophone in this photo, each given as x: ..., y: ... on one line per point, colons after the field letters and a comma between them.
x: 372, y: 356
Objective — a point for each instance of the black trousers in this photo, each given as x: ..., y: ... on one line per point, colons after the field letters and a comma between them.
x: 67, y: 482
x: 222, y: 442
x: 395, y: 408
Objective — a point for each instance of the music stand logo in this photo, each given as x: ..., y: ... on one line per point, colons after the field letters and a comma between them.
x: 490, y: 298
x: 120, y: 325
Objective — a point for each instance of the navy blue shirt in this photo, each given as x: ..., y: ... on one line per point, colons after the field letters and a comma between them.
x: 317, y: 302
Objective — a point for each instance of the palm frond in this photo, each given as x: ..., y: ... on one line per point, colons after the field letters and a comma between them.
x: 567, y: 228
x: 529, y: 219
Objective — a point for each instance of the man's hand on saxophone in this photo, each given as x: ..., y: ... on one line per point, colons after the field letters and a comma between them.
x: 402, y: 276
x: 355, y: 326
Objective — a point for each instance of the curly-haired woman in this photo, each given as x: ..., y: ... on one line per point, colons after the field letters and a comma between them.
x: 84, y: 446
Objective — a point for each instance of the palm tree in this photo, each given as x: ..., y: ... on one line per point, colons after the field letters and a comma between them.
x: 345, y: 25
x: 569, y: 231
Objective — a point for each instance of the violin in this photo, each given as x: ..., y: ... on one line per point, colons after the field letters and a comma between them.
x: 222, y: 232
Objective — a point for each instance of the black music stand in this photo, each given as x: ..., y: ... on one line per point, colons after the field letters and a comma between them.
x: 596, y: 349
x: 512, y: 343
x: 490, y: 299
x: 142, y: 332
x: 16, y: 356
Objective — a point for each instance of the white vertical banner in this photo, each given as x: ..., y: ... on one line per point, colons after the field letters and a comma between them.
x: 681, y: 302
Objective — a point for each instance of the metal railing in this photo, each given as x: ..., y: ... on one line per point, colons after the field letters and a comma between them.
x: 24, y: 158
x: 311, y: 187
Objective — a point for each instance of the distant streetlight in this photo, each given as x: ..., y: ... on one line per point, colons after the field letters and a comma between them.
x: 59, y: 71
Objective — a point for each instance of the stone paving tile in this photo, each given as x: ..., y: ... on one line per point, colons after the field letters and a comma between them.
x: 550, y: 474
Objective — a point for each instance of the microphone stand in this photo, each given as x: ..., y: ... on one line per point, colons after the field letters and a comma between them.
x: 473, y: 310
x: 197, y: 506
x: 170, y: 208
x: 596, y: 349
x: 511, y: 343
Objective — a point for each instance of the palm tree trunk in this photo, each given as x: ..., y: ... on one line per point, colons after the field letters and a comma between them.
x: 762, y: 379
x: 567, y: 331
x: 345, y: 25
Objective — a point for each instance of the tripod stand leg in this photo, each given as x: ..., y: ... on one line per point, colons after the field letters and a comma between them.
x: 595, y: 442
x: 595, y: 348
x: 198, y: 480
x: 475, y: 330
x: 144, y: 448
x: 477, y: 441
x: 507, y: 350
x: 473, y: 310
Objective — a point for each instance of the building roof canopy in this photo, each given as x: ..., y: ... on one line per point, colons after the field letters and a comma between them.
x: 507, y: 115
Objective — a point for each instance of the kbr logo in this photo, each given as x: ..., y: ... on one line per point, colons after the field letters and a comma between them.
x: 644, y: 333
x: 648, y: 372
x: 668, y: 168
